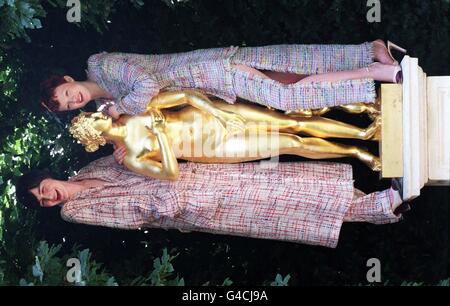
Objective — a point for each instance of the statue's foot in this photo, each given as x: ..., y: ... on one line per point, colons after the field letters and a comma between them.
x: 369, y: 159
x: 375, y: 165
x: 373, y: 110
x: 373, y: 132
x: 377, y: 136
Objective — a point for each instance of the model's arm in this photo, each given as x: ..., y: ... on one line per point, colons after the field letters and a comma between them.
x: 231, y: 121
x: 141, y: 86
x: 167, y: 169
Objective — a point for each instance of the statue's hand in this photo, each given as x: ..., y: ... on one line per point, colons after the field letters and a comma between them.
x: 232, y: 122
x: 158, y: 121
x: 301, y: 112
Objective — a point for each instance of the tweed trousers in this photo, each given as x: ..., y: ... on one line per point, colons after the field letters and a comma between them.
x: 303, y: 59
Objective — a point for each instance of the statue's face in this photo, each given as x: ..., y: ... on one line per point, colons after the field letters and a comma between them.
x: 101, y: 122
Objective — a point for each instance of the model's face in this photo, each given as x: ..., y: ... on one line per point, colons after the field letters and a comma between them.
x: 51, y: 192
x: 71, y: 95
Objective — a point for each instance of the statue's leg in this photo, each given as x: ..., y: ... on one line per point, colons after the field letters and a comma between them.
x: 255, y: 147
x: 269, y: 120
x: 372, y: 109
x: 328, y: 128
x: 316, y: 148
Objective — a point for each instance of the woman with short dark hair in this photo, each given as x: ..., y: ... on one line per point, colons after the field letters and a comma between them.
x: 284, y: 77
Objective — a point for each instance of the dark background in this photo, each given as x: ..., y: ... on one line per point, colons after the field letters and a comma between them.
x: 415, y: 249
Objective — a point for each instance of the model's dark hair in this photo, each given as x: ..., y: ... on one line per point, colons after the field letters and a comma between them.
x: 28, y: 181
x: 47, y: 92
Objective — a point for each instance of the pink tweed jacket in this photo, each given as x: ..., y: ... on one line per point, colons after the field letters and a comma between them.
x: 133, y: 79
x: 299, y: 202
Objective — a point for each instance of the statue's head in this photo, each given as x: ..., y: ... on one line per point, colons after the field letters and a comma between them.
x: 87, y: 128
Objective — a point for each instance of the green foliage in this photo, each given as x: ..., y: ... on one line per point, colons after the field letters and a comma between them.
x: 50, y: 269
x: 441, y: 283
x: 92, y: 272
x: 280, y: 281
x: 16, y: 16
x: 47, y: 269
x: 96, y: 14
x: 2, y: 274
x: 162, y: 273
x: 444, y: 282
x: 227, y: 282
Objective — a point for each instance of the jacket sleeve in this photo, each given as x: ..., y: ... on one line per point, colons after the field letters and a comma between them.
x: 118, y: 69
x: 125, y: 212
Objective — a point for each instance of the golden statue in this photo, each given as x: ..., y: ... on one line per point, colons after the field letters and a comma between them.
x: 208, y: 131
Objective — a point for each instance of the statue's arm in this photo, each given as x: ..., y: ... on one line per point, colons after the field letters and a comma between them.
x: 231, y: 121
x: 167, y: 169
x: 179, y: 97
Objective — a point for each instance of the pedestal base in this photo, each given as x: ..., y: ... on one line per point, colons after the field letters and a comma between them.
x: 415, y: 142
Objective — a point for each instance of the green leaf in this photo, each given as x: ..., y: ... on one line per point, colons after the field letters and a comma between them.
x: 37, y: 270
x: 37, y: 23
x: 23, y: 283
x: 227, y: 282
x: 111, y: 282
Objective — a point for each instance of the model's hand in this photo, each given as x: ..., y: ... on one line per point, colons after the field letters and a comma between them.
x: 158, y: 121
x: 232, y: 122
x: 119, y: 153
x: 112, y: 112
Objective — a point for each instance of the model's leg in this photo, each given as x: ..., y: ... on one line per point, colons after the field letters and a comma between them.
x: 381, y: 53
x: 306, y: 59
x: 360, y: 73
x: 284, y: 77
x: 377, y: 71
x: 256, y: 87
x: 244, y: 148
x: 314, y: 91
x: 377, y: 207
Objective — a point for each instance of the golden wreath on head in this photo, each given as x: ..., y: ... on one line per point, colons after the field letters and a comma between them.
x: 82, y: 129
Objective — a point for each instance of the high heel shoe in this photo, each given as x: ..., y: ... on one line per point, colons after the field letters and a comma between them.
x: 390, y: 45
x: 394, y: 76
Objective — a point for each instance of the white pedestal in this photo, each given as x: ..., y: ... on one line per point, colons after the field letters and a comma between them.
x: 426, y: 129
